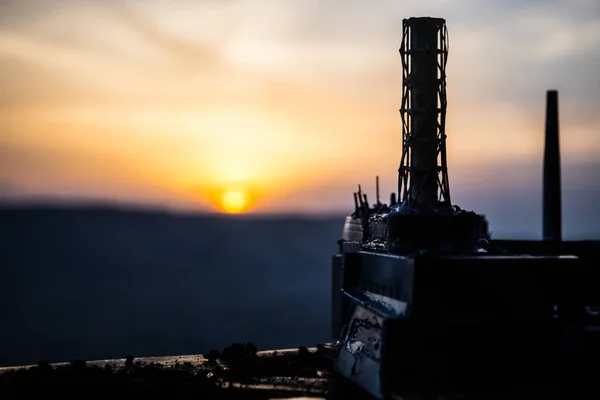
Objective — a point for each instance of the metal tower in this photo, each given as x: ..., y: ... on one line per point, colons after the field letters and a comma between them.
x: 423, y: 172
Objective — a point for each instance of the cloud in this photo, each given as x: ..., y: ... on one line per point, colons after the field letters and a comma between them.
x: 189, y: 54
x: 296, y: 84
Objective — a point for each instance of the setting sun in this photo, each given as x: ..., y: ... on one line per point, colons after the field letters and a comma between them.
x: 234, y: 201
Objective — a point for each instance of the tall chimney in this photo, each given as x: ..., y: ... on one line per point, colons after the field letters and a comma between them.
x: 423, y: 173
x: 552, y: 216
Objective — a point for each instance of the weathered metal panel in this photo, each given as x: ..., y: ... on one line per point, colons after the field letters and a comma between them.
x: 360, y: 350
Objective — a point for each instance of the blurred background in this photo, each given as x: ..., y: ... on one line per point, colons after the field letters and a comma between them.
x: 174, y: 174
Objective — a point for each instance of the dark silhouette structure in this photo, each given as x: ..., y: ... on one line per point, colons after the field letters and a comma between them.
x: 424, y: 301
x: 423, y: 173
x: 552, y: 189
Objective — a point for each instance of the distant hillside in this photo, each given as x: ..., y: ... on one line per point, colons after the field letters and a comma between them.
x: 96, y: 282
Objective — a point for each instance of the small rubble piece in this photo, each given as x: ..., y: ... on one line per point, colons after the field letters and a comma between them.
x: 78, y: 365
x: 129, y: 362
x: 238, y: 352
x: 212, y: 355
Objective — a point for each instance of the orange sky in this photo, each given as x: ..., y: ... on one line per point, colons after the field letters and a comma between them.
x: 291, y: 102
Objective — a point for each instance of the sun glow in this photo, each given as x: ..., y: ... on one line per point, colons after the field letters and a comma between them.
x: 234, y: 201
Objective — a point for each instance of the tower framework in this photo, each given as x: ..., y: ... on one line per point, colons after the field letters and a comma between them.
x: 423, y: 172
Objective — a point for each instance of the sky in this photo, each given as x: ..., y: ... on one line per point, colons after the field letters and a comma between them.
x: 287, y: 105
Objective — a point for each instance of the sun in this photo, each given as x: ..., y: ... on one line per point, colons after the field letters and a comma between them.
x: 234, y: 201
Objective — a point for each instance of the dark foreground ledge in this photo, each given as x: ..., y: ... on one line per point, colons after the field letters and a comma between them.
x: 239, y: 372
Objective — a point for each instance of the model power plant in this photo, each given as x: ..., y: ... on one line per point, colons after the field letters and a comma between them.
x: 424, y: 299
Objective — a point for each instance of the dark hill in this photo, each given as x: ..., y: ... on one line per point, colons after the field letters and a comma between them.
x: 96, y: 282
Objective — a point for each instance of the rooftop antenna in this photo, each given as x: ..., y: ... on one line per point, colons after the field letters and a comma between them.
x: 377, y: 190
x: 552, y: 218
x: 360, y: 196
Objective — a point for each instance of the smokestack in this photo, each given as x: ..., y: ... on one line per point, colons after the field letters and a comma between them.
x: 552, y: 217
x: 423, y: 173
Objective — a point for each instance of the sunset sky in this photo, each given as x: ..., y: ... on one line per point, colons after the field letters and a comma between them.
x: 290, y: 103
